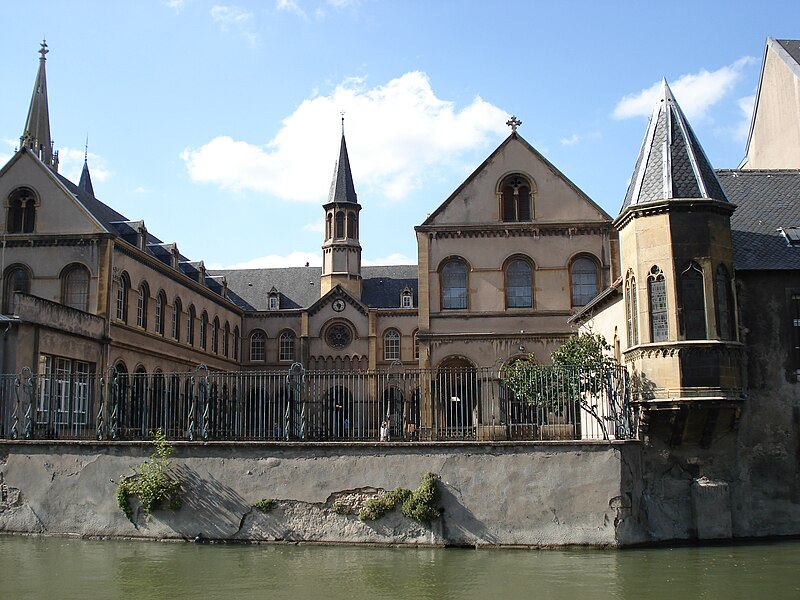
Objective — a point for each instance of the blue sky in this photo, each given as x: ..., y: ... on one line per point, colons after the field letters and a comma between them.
x: 218, y: 122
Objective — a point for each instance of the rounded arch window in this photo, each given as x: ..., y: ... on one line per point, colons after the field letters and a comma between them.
x: 454, y: 284
x: 17, y: 279
x: 519, y: 283
x: 516, y: 198
x: 583, y: 280
x: 21, y: 217
x: 286, y: 346
x: 339, y: 336
x: 257, y: 346
x: 391, y: 345
x: 75, y: 287
x: 122, y: 297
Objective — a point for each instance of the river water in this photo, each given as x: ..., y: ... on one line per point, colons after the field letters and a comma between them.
x: 57, y: 568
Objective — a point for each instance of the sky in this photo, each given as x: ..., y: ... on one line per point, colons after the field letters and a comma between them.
x: 218, y: 123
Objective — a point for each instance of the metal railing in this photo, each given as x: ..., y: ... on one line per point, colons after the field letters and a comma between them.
x: 297, y: 405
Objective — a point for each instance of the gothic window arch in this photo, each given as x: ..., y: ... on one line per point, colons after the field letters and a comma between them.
x: 516, y: 198
x: 286, y: 346
x: 204, y: 330
x: 257, y: 346
x: 161, y: 306
x: 329, y: 226
x: 339, y: 234
x: 177, y: 316
x: 454, y: 280
x: 692, y: 303
x: 123, y: 289
x: 236, y: 343
x: 351, y: 224
x: 21, y: 211
x: 631, y: 310
x: 519, y: 283
x: 391, y: 345
x: 726, y: 323
x: 75, y: 286
x: 17, y: 278
x: 657, y: 300
x: 215, y: 336
x: 226, y: 333
x: 141, y: 305
x: 583, y: 276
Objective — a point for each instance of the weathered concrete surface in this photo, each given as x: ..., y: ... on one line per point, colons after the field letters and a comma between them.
x: 492, y: 494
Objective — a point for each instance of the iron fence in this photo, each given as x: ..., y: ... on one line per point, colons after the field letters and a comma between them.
x: 297, y: 405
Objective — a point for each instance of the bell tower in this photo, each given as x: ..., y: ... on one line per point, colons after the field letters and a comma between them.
x: 341, y: 251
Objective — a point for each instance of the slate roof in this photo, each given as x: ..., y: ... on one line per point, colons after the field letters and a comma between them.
x: 342, y: 187
x: 671, y: 162
x: 298, y: 287
x: 792, y: 48
x: 765, y: 201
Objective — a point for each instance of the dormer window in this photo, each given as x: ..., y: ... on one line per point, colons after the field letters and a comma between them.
x: 273, y: 300
x: 406, y: 299
x: 21, y: 215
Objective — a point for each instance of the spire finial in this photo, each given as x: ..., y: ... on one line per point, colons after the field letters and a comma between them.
x: 86, y: 149
x: 513, y: 122
x: 342, y: 113
x: 43, y: 50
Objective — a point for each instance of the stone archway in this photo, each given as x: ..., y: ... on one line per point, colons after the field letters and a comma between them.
x: 457, y: 397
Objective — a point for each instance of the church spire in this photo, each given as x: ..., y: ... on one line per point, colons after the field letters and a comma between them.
x: 342, y: 188
x: 36, y: 136
x: 85, y: 183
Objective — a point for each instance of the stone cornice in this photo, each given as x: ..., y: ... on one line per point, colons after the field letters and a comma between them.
x: 532, y: 229
x: 673, y: 205
x: 670, y: 349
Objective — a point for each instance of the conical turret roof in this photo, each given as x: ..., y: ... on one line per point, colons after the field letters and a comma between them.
x: 671, y: 163
x: 342, y: 188
x: 85, y: 182
x: 36, y: 136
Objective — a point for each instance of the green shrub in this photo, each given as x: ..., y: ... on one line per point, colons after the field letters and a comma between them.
x: 421, y: 504
x: 151, y: 482
x: 265, y: 505
x: 342, y: 509
x: 377, y: 507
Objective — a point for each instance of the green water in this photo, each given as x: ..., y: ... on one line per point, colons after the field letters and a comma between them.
x: 54, y: 568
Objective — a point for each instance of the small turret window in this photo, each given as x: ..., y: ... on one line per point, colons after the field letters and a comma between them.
x: 339, y: 225
x: 725, y: 320
x: 631, y: 310
x: 657, y: 292
x: 693, y: 305
x: 351, y: 225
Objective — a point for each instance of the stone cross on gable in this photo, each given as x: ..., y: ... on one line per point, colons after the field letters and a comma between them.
x: 513, y: 122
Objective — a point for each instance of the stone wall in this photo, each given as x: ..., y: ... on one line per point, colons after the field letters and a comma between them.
x: 535, y: 494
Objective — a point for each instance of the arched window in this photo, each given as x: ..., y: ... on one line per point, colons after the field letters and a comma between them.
x: 519, y: 284
x: 453, y: 276
x: 21, y: 217
x: 161, y: 306
x: 177, y: 309
x: 631, y: 310
x: 657, y: 295
x: 215, y: 336
x: 75, y: 287
x: 515, y: 191
x: 226, y: 332
x: 16, y: 279
x: 192, y: 315
x: 257, y: 344
x: 722, y: 287
x: 406, y: 299
x: 339, y: 225
x: 204, y: 330
x: 328, y: 226
x: 141, y: 305
x: 122, y: 297
x: 286, y: 349
x: 416, y: 345
x: 583, y: 279
x: 391, y: 345
x: 693, y: 305
x: 236, y: 343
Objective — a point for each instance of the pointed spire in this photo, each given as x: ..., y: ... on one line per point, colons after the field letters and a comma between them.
x: 85, y: 183
x: 671, y: 162
x: 36, y: 136
x: 342, y: 188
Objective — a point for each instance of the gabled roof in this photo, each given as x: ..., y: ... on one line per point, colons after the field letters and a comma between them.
x: 789, y: 52
x: 299, y: 287
x: 766, y: 201
x: 513, y: 136
x: 342, y: 188
x: 671, y: 162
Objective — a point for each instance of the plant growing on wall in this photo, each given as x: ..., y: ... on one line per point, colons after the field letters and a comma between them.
x: 152, y: 482
x: 419, y: 505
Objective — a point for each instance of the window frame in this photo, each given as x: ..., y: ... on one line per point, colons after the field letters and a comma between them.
x: 286, y: 346
x: 75, y: 294
x: 510, y: 300
x: 391, y: 345
x: 576, y: 284
x: 657, y: 282
x: 258, y: 341
x: 446, y: 300
x: 123, y: 296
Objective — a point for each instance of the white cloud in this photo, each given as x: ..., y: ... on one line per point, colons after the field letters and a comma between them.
x: 315, y: 227
x: 70, y: 164
x: 271, y: 261
x: 290, y: 6
x: 392, y: 259
x: 571, y: 140
x: 234, y: 17
x: 344, y: 3
x: 746, y: 106
x: 176, y: 5
x: 695, y: 92
x: 397, y: 134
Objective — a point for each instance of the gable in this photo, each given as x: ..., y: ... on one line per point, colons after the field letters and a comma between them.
x: 555, y: 198
x: 57, y: 210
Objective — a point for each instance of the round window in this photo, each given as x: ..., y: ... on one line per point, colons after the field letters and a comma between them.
x: 339, y: 336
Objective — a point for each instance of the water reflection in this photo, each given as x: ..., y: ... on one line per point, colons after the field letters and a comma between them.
x: 65, y: 568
